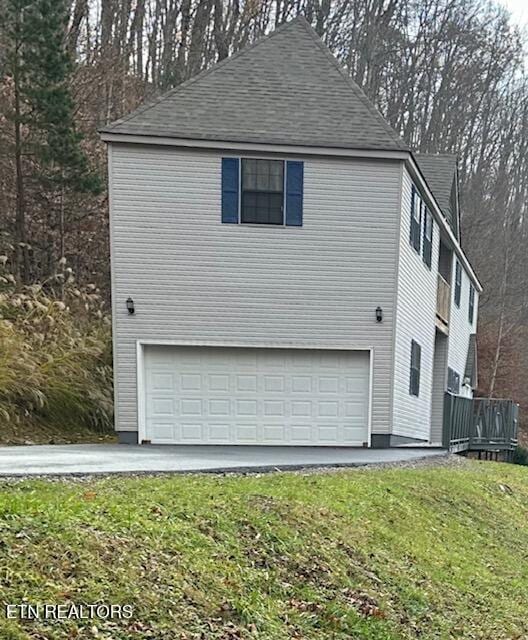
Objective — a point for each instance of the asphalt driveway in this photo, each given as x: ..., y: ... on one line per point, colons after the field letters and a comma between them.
x: 81, y: 459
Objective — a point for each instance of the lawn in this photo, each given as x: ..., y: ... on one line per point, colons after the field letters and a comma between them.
x: 433, y: 552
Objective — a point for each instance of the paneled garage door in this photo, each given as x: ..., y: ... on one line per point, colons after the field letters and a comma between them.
x: 220, y: 395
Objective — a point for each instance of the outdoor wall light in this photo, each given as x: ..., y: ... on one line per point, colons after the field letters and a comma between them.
x: 130, y: 306
x: 379, y: 314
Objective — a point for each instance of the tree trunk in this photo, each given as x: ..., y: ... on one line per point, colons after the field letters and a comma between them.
x: 21, y: 248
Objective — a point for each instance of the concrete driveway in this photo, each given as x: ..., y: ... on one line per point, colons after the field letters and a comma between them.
x: 84, y: 459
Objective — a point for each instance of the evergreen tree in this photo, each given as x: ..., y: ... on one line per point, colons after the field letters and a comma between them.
x: 43, y: 116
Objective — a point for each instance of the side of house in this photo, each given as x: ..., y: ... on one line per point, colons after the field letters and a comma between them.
x: 195, y: 280
x: 415, y: 328
x: 283, y: 275
x: 436, y: 309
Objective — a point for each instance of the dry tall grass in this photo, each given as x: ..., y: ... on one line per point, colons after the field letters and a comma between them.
x: 55, y: 354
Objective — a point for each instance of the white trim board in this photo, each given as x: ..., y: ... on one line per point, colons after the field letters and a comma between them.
x: 302, y: 150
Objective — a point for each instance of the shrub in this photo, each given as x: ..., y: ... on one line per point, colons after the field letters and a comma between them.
x: 55, y: 354
x: 520, y: 456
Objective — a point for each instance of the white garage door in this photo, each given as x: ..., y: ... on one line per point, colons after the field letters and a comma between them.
x: 220, y: 395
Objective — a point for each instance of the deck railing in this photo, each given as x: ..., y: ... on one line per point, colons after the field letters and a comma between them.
x: 443, y: 300
x: 479, y: 424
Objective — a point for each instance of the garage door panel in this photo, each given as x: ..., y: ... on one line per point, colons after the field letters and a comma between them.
x: 220, y: 432
x: 164, y: 433
x: 301, y: 408
x: 301, y: 384
x: 219, y: 407
x: 191, y: 407
x: 274, y: 408
x: 246, y: 433
x: 192, y: 432
x: 246, y: 383
x: 328, y: 384
x: 208, y: 395
x: 273, y: 384
x: 301, y: 434
x: 218, y: 382
x: 162, y: 381
x: 162, y: 406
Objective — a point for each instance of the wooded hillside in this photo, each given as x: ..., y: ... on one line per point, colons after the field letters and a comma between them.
x: 449, y: 75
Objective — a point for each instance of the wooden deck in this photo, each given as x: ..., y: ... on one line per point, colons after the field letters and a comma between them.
x: 480, y: 424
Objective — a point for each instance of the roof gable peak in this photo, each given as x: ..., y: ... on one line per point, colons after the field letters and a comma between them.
x: 285, y: 88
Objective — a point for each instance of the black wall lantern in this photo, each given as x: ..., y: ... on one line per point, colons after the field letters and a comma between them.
x: 130, y: 306
x: 379, y: 314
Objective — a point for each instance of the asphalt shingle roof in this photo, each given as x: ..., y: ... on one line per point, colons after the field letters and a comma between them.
x: 287, y: 88
x: 439, y: 171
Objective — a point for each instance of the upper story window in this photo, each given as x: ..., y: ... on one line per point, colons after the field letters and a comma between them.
x: 262, y: 191
x: 458, y: 283
x: 471, y: 310
x: 427, y: 237
x: 416, y: 219
x: 414, y: 378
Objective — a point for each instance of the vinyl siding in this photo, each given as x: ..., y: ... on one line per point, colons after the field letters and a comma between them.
x: 415, y: 320
x: 194, y: 278
x: 460, y: 329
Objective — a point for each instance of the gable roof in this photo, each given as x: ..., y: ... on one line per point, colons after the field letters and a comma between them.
x: 439, y: 171
x: 287, y: 88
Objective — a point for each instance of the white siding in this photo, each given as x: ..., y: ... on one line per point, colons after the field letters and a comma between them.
x: 194, y: 278
x: 460, y: 329
x: 415, y: 320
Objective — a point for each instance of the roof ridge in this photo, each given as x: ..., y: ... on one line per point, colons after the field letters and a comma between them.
x: 205, y: 72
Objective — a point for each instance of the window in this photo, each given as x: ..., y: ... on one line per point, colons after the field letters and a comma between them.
x: 453, y: 381
x: 471, y: 313
x: 458, y: 283
x: 262, y: 191
x: 427, y: 237
x: 416, y: 219
x: 416, y: 356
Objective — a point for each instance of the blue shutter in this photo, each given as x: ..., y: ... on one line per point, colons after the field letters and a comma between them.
x: 230, y: 189
x: 294, y: 193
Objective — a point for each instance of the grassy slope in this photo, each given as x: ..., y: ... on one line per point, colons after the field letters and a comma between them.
x: 442, y: 553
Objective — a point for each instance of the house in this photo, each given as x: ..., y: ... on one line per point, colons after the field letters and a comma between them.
x: 285, y: 270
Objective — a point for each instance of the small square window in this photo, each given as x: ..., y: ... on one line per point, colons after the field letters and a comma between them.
x: 262, y: 191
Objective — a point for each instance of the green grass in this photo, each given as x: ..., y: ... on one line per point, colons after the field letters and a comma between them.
x: 435, y: 552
